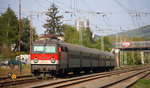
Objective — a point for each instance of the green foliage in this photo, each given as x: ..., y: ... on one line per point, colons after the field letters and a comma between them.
x: 139, y: 39
x: 8, y: 27
x: 129, y: 58
x: 26, y: 66
x: 71, y: 35
x: 137, y: 57
x: 147, y: 58
x: 97, y: 44
x: 87, y: 40
x: 9, y: 34
x: 53, y: 22
x: 84, y: 38
x: 133, y: 57
x: 25, y: 35
x: 107, y: 44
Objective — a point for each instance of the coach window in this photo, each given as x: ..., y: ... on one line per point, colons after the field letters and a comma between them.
x: 64, y: 49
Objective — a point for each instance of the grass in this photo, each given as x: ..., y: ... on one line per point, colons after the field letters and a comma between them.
x: 5, y: 70
x: 143, y: 83
x: 129, y: 66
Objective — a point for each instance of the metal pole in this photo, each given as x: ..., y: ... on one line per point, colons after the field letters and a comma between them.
x: 19, y: 46
x: 102, y: 43
x: 31, y: 33
x: 117, y: 41
x: 19, y: 25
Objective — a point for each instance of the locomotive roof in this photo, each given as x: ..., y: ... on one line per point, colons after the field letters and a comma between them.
x: 46, y: 41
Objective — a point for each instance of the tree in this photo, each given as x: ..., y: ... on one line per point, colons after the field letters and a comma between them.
x: 87, y: 40
x: 97, y: 44
x: 107, y: 44
x: 8, y: 32
x: 8, y: 27
x: 25, y: 35
x: 53, y: 24
x: 71, y: 35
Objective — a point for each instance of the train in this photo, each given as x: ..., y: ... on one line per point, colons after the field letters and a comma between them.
x: 50, y: 56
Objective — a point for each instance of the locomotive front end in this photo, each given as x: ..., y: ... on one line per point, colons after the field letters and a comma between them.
x: 44, y: 58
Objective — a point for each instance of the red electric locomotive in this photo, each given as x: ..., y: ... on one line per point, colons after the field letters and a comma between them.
x: 45, y: 56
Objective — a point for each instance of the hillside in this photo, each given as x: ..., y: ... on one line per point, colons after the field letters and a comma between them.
x: 140, y: 32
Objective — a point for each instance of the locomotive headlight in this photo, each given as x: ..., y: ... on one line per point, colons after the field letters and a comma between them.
x: 53, y: 60
x: 35, y: 60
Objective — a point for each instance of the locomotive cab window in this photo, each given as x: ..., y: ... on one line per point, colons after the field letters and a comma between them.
x: 50, y: 49
x: 38, y: 49
x: 44, y: 49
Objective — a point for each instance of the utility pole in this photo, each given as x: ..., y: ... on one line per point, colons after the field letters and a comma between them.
x: 116, y: 40
x: 81, y: 35
x: 19, y: 26
x: 31, y: 33
x: 102, y: 43
x: 19, y: 46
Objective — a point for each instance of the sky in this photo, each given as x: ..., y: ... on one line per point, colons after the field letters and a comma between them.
x: 115, y: 15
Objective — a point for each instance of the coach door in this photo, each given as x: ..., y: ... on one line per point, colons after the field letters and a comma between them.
x: 63, y: 57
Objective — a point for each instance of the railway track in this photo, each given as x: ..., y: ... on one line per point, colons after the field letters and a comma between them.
x: 21, y: 76
x: 128, y: 81
x: 74, y: 81
x: 6, y: 81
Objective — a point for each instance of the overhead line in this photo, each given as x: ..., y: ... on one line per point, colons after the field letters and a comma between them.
x: 39, y: 4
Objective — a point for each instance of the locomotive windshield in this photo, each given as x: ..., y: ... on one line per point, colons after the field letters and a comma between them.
x: 44, y: 49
